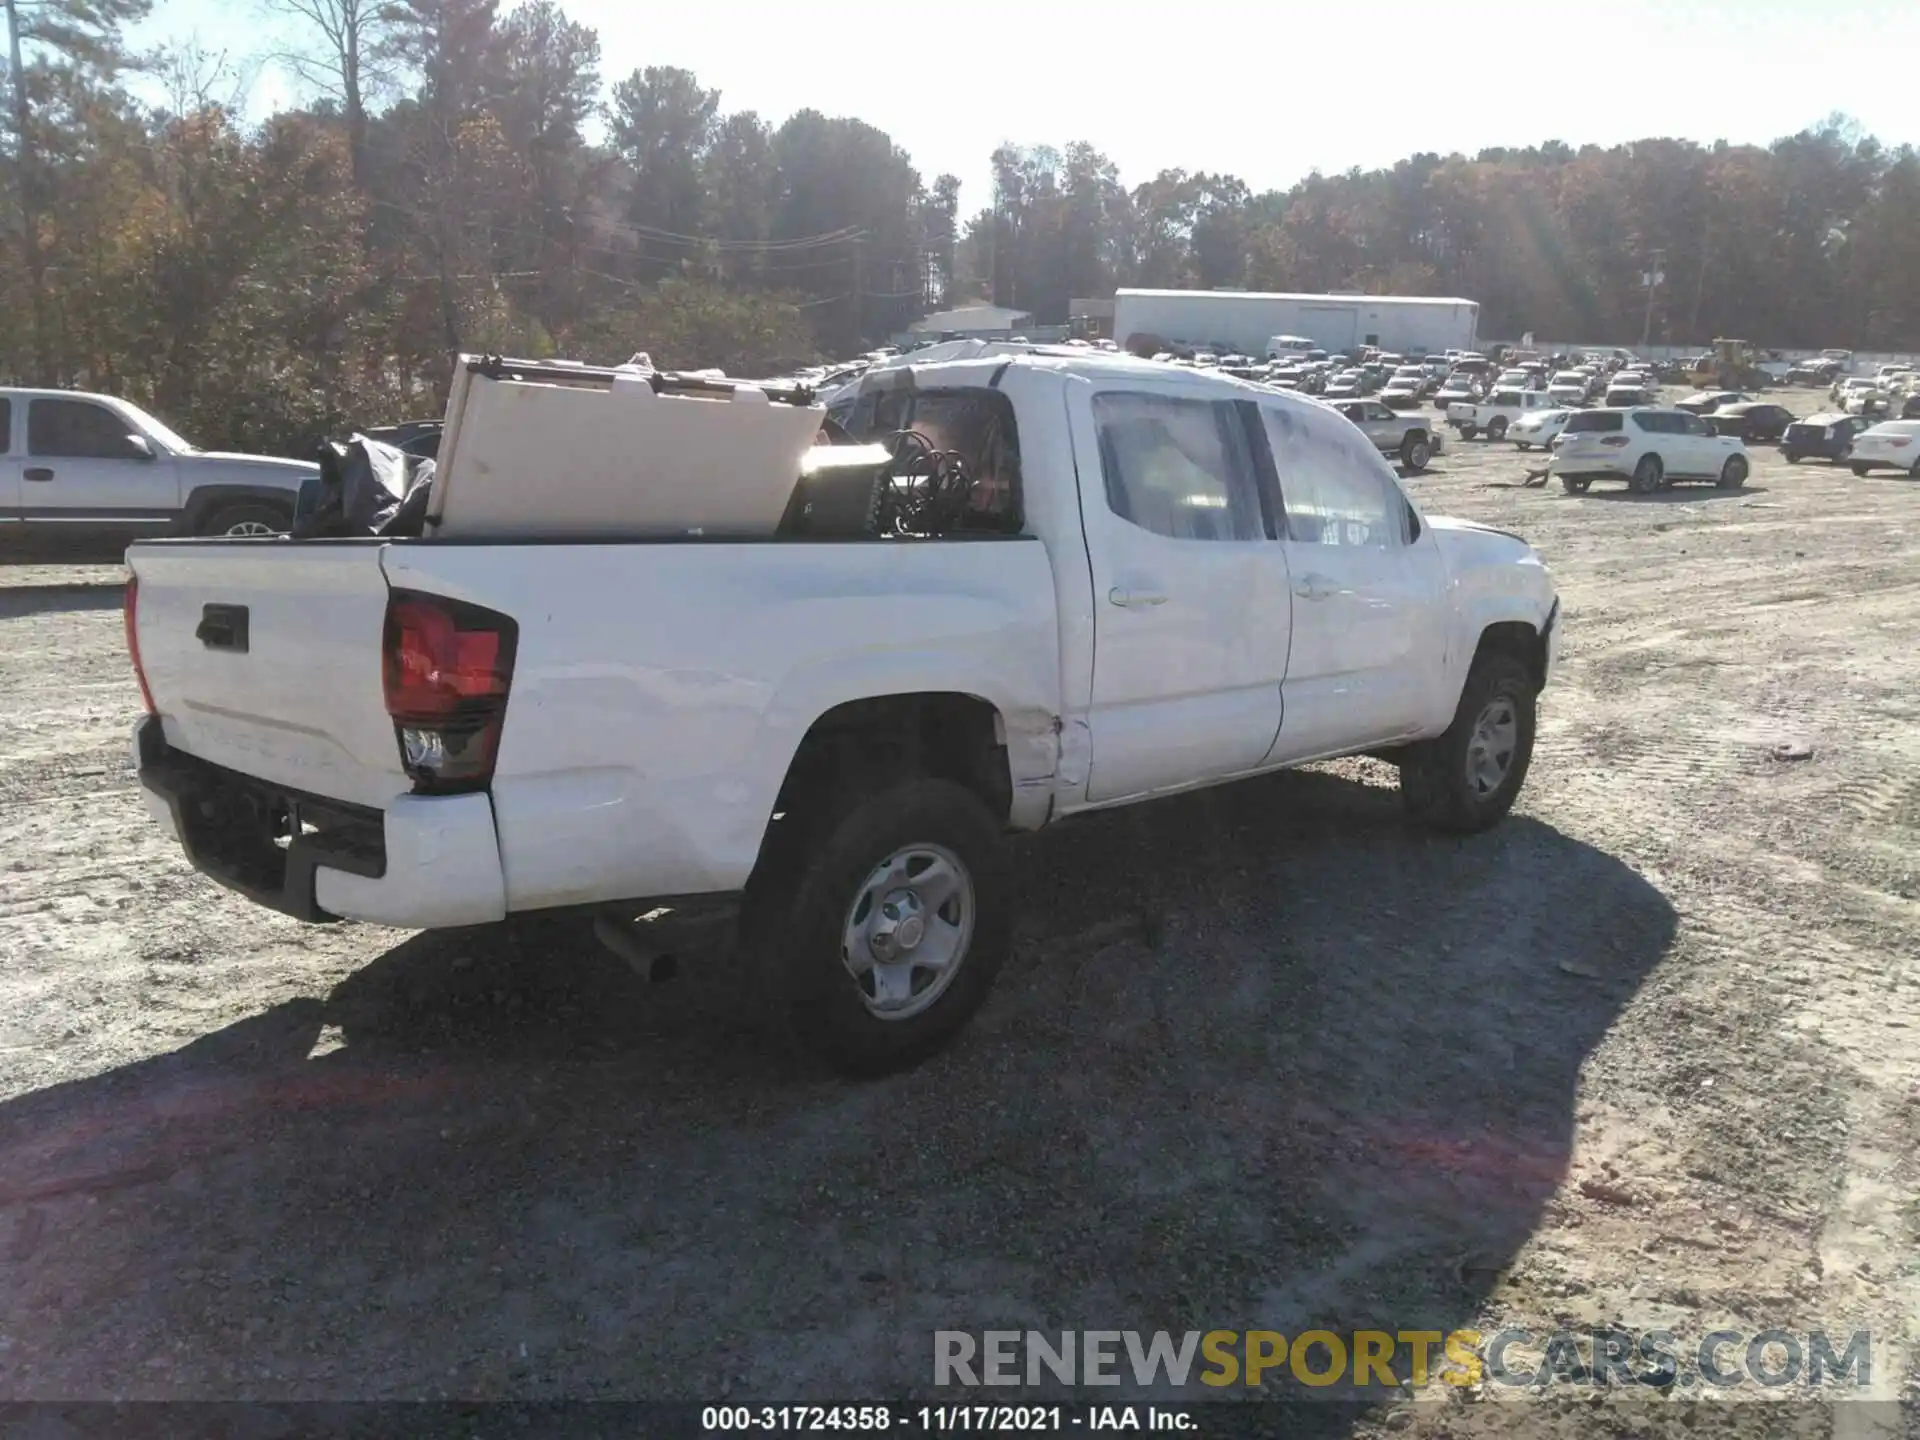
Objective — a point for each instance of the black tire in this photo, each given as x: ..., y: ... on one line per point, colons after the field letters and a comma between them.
x: 1733, y: 474
x: 1648, y: 476
x: 1497, y: 429
x: 246, y: 519
x: 1792, y: 457
x: 1435, y: 784
x: 1415, y: 452
x: 1468, y: 430
x: 1576, y: 484
x: 796, y: 914
x: 1523, y: 444
x: 1860, y: 469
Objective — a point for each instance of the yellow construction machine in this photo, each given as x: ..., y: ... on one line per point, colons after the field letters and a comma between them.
x: 1731, y: 366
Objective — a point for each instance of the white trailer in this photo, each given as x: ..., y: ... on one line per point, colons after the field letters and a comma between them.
x: 1242, y: 321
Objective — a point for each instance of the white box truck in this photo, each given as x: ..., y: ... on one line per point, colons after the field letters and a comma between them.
x: 1245, y: 321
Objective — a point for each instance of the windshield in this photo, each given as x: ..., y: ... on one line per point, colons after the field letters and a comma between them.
x: 159, y: 430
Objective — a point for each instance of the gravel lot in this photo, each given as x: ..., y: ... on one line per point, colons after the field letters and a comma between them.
x: 1649, y: 1054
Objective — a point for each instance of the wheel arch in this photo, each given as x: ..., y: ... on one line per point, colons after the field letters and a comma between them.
x: 205, y: 501
x: 944, y: 734
x: 1521, y: 640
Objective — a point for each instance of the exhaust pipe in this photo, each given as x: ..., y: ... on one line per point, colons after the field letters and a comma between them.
x: 622, y: 937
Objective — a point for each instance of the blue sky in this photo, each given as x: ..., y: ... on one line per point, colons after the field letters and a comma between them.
x: 1268, y: 92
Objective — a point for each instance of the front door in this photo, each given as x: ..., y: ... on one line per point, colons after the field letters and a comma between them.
x: 1367, y: 646
x: 1191, y: 607
x: 84, y: 462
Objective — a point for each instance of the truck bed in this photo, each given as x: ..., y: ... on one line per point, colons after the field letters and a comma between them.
x: 645, y: 738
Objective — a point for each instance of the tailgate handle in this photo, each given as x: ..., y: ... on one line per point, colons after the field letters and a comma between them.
x: 223, y: 627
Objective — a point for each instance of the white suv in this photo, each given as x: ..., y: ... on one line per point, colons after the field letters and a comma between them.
x: 1647, y: 448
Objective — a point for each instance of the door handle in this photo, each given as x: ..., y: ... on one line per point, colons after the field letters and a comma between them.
x: 1134, y: 598
x: 1315, y: 587
x: 37, y: 472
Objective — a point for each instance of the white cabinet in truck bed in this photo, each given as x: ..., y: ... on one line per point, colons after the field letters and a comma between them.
x: 527, y: 458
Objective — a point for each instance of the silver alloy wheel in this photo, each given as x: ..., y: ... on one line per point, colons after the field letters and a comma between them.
x: 250, y: 527
x: 1496, y: 735
x: 908, y: 930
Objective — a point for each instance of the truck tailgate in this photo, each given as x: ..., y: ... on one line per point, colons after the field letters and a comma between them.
x: 265, y: 657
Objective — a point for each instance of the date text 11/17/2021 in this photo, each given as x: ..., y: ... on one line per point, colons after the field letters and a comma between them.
x: 943, y: 1419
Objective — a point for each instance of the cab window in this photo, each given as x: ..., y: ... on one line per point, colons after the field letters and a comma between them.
x: 1177, y: 466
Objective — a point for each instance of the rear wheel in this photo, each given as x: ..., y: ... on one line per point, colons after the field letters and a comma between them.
x: 253, y: 519
x: 1734, y: 473
x: 879, y: 933
x: 1576, y: 484
x: 1523, y: 444
x: 1469, y: 430
x: 1647, y: 475
x: 1497, y: 429
x: 1469, y: 777
x: 1860, y: 469
x: 1415, y: 452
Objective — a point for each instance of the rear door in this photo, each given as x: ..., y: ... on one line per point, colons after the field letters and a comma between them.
x: 1366, y: 645
x: 266, y: 658
x: 1192, y: 611
x: 83, y: 465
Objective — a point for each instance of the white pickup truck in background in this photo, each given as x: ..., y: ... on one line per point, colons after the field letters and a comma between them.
x: 1157, y: 580
x: 1500, y: 410
x: 80, y: 466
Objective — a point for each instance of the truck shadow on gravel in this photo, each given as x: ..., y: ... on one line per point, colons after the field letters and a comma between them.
x: 1264, y: 1058
x: 17, y: 601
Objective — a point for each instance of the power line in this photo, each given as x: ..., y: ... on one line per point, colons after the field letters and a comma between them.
x: 845, y: 235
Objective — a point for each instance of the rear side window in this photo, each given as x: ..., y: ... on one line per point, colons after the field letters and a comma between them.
x: 6, y: 426
x: 1660, y: 424
x: 1177, y: 467
x: 974, y: 422
x: 1594, y: 420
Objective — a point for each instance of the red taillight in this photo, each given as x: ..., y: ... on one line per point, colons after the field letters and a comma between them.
x: 1616, y: 441
x: 133, y: 641
x: 447, y: 669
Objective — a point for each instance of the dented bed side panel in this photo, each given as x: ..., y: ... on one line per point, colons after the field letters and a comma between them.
x: 661, y: 691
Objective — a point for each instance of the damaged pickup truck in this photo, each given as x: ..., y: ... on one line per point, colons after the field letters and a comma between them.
x: 650, y: 659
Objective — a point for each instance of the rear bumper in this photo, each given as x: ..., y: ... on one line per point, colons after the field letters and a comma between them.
x: 424, y: 862
x: 1589, y: 466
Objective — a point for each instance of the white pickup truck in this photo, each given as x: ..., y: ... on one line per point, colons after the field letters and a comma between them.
x: 1498, y: 412
x: 1170, y: 579
x: 77, y: 465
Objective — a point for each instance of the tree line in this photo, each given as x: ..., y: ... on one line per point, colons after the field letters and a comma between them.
x: 462, y: 179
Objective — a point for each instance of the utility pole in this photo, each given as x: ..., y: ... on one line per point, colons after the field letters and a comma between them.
x: 859, y: 282
x: 1653, y: 277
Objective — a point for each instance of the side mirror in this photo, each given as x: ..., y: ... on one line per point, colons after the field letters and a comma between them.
x: 139, y: 448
